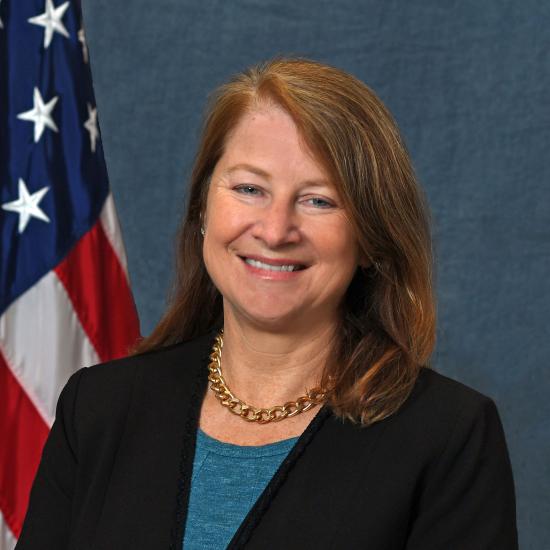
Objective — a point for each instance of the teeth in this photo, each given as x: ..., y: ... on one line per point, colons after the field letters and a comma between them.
x: 269, y: 267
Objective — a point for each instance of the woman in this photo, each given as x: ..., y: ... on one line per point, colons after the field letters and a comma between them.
x: 304, y: 294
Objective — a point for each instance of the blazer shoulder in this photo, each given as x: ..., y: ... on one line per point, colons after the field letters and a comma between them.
x: 104, y: 391
x: 438, y: 386
x: 447, y: 393
x: 120, y: 373
x: 439, y: 404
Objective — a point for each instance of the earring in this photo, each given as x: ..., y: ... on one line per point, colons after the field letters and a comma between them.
x: 203, y: 232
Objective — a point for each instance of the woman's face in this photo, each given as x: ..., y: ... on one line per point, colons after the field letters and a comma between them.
x: 278, y: 244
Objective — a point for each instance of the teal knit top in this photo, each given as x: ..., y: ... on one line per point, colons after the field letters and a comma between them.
x: 227, y: 479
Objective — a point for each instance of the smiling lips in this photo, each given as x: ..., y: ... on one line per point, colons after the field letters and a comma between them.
x: 283, y: 266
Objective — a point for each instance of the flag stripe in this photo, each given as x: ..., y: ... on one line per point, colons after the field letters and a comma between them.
x: 109, y: 221
x: 43, y: 342
x: 23, y: 435
x: 7, y: 538
x: 98, y: 288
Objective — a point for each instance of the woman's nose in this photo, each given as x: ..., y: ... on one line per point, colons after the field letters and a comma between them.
x: 277, y: 225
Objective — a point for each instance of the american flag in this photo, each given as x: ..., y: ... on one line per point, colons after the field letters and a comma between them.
x: 65, y: 300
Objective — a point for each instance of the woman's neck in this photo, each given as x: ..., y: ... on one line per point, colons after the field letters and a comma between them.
x: 265, y: 368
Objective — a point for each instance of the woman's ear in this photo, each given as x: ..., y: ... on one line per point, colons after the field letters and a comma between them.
x: 365, y: 261
x: 202, y: 224
x: 204, y: 205
x: 202, y: 219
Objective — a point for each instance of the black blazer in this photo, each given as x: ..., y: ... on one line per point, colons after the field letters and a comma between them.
x: 116, y: 468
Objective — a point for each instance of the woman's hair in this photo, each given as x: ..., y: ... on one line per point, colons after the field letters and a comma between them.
x: 387, y: 329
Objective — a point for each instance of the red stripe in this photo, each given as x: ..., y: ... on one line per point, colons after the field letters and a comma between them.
x: 23, y: 433
x: 98, y: 289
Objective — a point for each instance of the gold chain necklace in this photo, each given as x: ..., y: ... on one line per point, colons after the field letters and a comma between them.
x: 246, y: 412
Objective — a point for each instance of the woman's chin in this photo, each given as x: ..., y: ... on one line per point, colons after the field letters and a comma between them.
x: 272, y: 319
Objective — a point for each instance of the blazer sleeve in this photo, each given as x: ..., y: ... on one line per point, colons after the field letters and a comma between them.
x: 48, y: 518
x: 468, y: 500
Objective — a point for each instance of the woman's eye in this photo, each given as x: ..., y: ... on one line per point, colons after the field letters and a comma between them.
x: 318, y: 202
x: 247, y: 190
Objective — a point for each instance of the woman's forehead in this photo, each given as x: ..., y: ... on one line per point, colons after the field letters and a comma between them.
x: 266, y: 142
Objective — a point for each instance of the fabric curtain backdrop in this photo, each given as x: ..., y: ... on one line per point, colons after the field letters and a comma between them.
x: 468, y: 83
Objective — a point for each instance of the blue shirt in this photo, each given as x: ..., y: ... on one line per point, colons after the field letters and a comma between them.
x: 227, y: 480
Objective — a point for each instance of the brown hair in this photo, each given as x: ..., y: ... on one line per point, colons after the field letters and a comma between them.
x: 388, y: 323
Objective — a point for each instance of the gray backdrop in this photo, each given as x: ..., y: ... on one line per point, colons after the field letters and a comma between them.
x: 468, y: 83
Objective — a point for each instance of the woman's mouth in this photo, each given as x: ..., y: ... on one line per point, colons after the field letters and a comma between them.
x: 283, y: 265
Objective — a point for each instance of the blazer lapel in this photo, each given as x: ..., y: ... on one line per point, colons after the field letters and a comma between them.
x: 146, y: 500
x: 297, y: 509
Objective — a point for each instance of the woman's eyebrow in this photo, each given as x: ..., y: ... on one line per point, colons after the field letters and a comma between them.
x: 262, y: 173
x: 248, y: 168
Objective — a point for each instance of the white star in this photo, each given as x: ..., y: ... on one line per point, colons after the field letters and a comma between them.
x: 51, y: 21
x: 1, y: 24
x: 91, y: 126
x: 27, y: 205
x: 40, y: 114
x: 82, y: 40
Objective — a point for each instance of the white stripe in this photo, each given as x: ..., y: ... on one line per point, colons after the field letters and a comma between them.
x: 7, y: 539
x: 44, y: 343
x: 109, y: 221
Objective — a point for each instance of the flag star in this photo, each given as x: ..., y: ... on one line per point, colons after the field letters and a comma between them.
x: 82, y: 40
x: 27, y: 205
x: 51, y: 21
x: 40, y: 114
x: 1, y: 24
x: 91, y: 126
